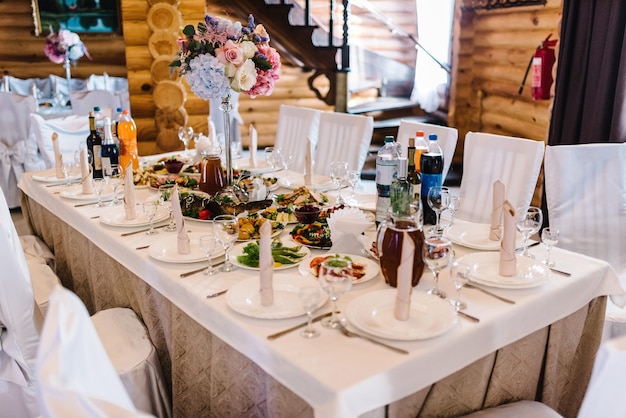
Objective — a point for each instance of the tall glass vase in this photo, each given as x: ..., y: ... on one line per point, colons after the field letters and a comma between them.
x: 68, y: 73
x: 232, y: 191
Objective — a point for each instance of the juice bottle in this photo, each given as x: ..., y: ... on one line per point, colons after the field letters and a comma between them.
x: 127, y: 134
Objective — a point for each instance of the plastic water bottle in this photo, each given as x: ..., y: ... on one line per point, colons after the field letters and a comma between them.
x: 114, y: 123
x: 109, y: 154
x: 431, y: 164
x: 386, y: 172
x: 99, y: 116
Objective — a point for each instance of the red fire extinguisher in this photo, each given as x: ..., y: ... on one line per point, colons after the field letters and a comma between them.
x: 541, y: 63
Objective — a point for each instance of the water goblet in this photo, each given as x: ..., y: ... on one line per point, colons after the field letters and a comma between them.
x: 339, y: 174
x: 185, y: 134
x: 459, y: 273
x: 335, y: 276
x: 114, y: 179
x: 528, y: 221
x: 437, y: 254
x: 227, y: 230
x: 68, y: 169
x: 455, y: 204
x: 150, y: 210
x: 273, y: 157
x: 165, y: 200
x: 353, y: 179
x: 549, y: 237
x: 310, y: 297
x: 209, y: 244
x: 98, y: 188
x: 438, y: 200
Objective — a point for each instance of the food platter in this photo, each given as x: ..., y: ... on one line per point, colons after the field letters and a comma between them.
x: 367, y: 268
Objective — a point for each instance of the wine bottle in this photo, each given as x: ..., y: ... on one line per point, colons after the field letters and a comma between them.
x: 109, y: 153
x: 94, y: 143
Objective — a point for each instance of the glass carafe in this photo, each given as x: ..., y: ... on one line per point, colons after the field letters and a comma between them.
x: 390, y: 236
x: 212, y: 178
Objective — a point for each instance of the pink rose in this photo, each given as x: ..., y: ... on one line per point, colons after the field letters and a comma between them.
x: 230, y: 52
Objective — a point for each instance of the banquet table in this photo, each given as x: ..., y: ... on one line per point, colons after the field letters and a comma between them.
x: 220, y: 362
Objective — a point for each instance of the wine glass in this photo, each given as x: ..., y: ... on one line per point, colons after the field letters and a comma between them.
x: 438, y: 200
x: 550, y: 237
x: 528, y: 222
x: 98, y: 188
x: 227, y: 229
x: 353, y: 179
x: 150, y: 210
x: 165, y: 200
x: 68, y: 169
x: 455, y: 204
x: 185, y: 134
x: 114, y: 178
x: 335, y: 276
x: 274, y: 158
x: 339, y: 174
x: 208, y: 245
x: 437, y: 255
x: 459, y: 273
x: 310, y: 297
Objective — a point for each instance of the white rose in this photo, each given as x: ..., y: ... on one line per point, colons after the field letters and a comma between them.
x: 249, y: 49
x: 245, y: 77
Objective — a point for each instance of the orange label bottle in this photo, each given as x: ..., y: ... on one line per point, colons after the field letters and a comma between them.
x: 127, y: 134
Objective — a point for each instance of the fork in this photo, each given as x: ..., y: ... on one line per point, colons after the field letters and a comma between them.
x: 349, y: 333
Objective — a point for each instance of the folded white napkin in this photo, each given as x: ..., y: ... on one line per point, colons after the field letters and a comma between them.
x: 202, y: 145
x: 212, y: 132
x: 308, y: 164
x: 129, y: 192
x: 85, y: 170
x: 508, y: 264
x: 496, y: 213
x: 258, y: 191
x: 253, y: 145
x: 345, y: 226
x: 58, y: 157
x: 182, y: 239
x: 402, y: 307
x: 266, y: 264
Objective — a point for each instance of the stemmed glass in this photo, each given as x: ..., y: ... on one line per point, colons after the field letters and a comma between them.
x: 208, y: 245
x: 310, y: 297
x: 528, y: 222
x: 353, y: 179
x: 550, y: 237
x: 150, y: 210
x: 98, y: 188
x: 438, y: 200
x: 455, y: 204
x: 114, y: 178
x: 437, y: 255
x: 338, y: 174
x: 335, y: 276
x: 227, y: 230
x: 165, y: 200
x: 274, y: 158
x: 68, y: 169
x: 459, y: 273
x: 185, y: 134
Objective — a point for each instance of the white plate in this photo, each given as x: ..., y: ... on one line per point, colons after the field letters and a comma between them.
x: 238, y: 250
x: 530, y: 273
x: 260, y: 168
x: 117, y: 217
x: 76, y: 193
x: 363, y: 201
x: 371, y: 268
x: 476, y: 236
x: 53, y: 179
x: 373, y: 313
x: 294, y: 180
x: 244, y: 297
x: 166, y: 249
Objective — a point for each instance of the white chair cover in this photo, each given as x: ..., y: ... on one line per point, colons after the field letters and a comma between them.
x: 24, y: 87
x: 519, y: 409
x: 216, y: 115
x: 18, y: 153
x: 487, y: 158
x: 446, y: 137
x: 295, y: 125
x: 37, y: 251
x: 73, y: 131
x: 59, y: 85
x: 586, y: 199
x: 84, y: 101
x: 75, y: 376
x: 117, y: 85
x: 342, y: 137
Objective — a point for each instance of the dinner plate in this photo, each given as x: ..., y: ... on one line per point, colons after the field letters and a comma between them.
x: 53, y: 179
x: 260, y: 168
x: 76, y: 193
x: 244, y: 297
x: 238, y: 250
x: 476, y: 236
x: 371, y: 268
x: 530, y: 273
x: 117, y: 217
x: 294, y: 180
x: 373, y: 313
x: 363, y: 201
x: 166, y: 249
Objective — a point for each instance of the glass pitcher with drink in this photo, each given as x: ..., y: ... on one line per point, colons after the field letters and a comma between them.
x: 212, y: 178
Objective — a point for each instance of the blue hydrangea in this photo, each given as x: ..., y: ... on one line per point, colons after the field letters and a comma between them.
x: 206, y: 77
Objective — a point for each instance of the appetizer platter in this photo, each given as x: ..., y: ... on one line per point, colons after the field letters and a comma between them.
x: 246, y: 255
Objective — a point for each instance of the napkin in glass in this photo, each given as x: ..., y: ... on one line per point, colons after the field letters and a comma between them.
x: 308, y: 164
x: 402, y: 306
x: 266, y: 264
x: 58, y: 157
x: 345, y: 227
x: 85, y: 170
x: 129, y: 192
x: 253, y: 145
x: 495, y: 233
x: 183, y: 242
x: 508, y: 264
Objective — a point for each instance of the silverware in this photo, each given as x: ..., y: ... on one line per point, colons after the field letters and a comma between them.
x: 192, y: 272
x: 92, y: 203
x: 467, y: 316
x: 345, y: 331
x: 95, y: 217
x: 529, y: 246
x: 143, y: 247
x: 564, y: 273
x: 295, y: 327
x: 212, y: 295
x: 126, y: 234
x: 503, y: 299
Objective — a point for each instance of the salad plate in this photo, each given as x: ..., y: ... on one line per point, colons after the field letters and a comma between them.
x: 53, y: 179
x: 476, y: 236
x: 166, y: 250
x: 238, y: 250
x: 366, y: 269
x: 76, y: 193
x: 260, y: 167
x: 484, y: 270
x: 116, y: 216
x: 293, y: 181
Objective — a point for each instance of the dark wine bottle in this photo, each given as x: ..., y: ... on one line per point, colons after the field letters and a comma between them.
x: 109, y: 153
x: 94, y: 143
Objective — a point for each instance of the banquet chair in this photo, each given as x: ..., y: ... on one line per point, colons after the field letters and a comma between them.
x: 585, y: 189
x: 59, y: 85
x: 75, y: 376
x: 18, y: 153
x: 446, y: 137
x: 24, y: 87
x: 295, y: 125
x: 117, y: 85
x: 72, y: 131
x: 487, y: 158
x: 84, y: 101
x: 342, y: 137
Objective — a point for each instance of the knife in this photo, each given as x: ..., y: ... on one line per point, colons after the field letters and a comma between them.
x: 92, y: 203
x: 564, y: 273
x: 485, y: 291
x: 295, y: 327
x: 467, y: 316
x: 529, y: 246
x: 192, y: 272
x: 125, y: 234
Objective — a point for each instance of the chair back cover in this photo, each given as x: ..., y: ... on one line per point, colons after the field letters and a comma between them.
x: 84, y: 101
x: 18, y: 334
x: 59, y: 85
x: 117, y: 85
x: 342, y: 137
x: 295, y: 125
x: 75, y: 375
x: 487, y: 158
x: 72, y: 130
x: 24, y: 87
x: 446, y: 137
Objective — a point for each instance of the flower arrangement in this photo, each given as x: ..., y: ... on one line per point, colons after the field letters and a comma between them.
x: 64, y: 44
x: 220, y: 55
